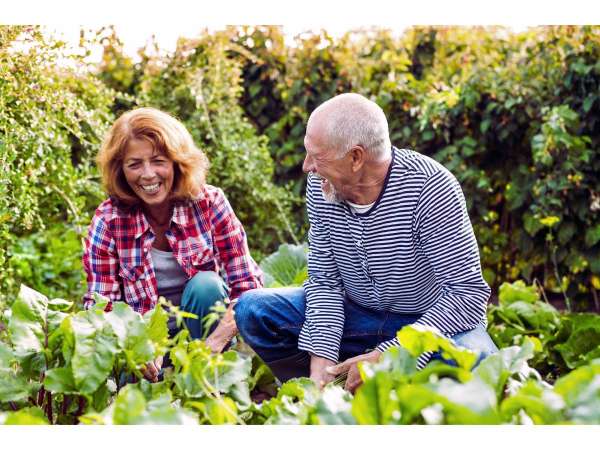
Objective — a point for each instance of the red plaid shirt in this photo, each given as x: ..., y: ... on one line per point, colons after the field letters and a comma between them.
x: 205, y: 235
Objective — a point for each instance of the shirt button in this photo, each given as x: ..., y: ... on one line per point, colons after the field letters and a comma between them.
x: 358, y: 243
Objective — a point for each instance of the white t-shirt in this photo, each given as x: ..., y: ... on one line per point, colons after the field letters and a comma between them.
x: 360, y: 209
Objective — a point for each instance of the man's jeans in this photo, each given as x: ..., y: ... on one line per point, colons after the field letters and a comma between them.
x: 270, y: 321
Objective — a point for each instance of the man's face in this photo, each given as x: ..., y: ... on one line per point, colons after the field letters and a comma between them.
x: 331, y: 169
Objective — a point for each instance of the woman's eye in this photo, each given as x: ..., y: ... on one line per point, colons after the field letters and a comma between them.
x: 133, y: 166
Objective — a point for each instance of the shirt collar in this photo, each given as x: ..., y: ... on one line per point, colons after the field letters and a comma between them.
x: 141, y: 224
x: 180, y: 214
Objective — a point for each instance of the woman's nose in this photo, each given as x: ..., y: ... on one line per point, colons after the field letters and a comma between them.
x: 148, y: 171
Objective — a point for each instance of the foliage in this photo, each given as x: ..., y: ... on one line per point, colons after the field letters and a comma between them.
x: 563, y: 341
x: 50, y: 261
x: 63, y: 367
x: 288, y: 266
x: 53, y: 114
x: 513, y: 115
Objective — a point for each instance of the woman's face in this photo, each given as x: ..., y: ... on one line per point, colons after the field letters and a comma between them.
x: 148, y: 172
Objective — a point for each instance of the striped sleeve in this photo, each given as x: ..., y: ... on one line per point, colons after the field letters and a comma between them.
x: 322, y: 331
x: 444, y: 234
x: 100, y: 262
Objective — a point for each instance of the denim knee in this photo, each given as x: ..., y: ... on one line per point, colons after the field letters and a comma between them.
x: 202, y: 291
x: 247, y: 309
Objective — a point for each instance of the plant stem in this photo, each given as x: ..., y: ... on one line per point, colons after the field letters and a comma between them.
x: 65, y: 404
x: 541, y: 289
x: 40, y: 397
x: 81, y: 406
x: 49, y: 406
x: 13, y: 406
x: 558, y: 279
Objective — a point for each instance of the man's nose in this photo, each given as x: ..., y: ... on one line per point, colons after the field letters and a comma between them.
x: 307, y: 165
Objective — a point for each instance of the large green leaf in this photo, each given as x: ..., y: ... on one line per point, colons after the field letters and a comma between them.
x: 134, y: 336
x: 497, y: 368
x: 375, y: 401
x: 581, y: 391
x: 13, y: 386
x: 334, y: 407
x: 199, y: 373
x: 158, y: 331
x: 517, y: 291
x: 287, y: 266
x: 93, y: 355
x: 535, y: 403
x: 418, y: 340
x: 473, y: 402
x: 294, y: 403
x: 397, y: 361
x: 131, y: 408
x: 26, y: 416
x: 217, y: 411
x: 583, y: 343
x: 28, y: 325
x: 60, y: 380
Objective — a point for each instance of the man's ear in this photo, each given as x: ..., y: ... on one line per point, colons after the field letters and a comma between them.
x: 359, y: 156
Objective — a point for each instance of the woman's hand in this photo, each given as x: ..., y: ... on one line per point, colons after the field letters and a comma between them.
x: 225, y: 331
x: 152, y: 369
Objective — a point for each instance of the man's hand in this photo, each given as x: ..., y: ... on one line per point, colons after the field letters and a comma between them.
x: 225, y: 331
x: 152, y: 369
x: 350, y: 366
x: 318, y: 370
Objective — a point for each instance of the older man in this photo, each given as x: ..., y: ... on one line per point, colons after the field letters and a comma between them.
x: 391, y: 244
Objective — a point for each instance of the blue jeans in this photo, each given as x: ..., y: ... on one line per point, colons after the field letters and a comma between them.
x: 270, y: 321
x: 201, y: 292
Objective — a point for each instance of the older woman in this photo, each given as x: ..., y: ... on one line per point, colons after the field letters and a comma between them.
x: 163, y: 231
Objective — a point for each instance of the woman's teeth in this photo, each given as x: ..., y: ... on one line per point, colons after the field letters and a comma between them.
x: 150, y: 188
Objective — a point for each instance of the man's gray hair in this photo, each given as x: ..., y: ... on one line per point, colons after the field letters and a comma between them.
x: 350, y: 120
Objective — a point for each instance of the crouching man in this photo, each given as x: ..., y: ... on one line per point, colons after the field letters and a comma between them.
x: 391, y: 244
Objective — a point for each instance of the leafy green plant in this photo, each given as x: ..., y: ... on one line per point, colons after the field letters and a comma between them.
x: 288, y: 266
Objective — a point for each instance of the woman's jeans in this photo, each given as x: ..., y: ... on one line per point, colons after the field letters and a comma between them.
x: 270, y: 320
x: 201, y: 292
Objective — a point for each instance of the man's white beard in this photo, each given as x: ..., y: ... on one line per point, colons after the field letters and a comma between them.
x: 332, y: 195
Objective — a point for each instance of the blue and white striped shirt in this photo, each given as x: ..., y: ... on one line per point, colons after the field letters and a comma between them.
x: 413, y: 252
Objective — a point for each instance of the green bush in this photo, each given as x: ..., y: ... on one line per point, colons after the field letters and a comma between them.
x: 53, y: 114
x: 513, y: 115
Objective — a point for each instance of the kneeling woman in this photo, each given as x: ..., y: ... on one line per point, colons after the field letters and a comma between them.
x: 163, y: 231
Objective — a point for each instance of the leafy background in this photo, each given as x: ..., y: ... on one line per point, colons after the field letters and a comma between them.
x: 513, y: 115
